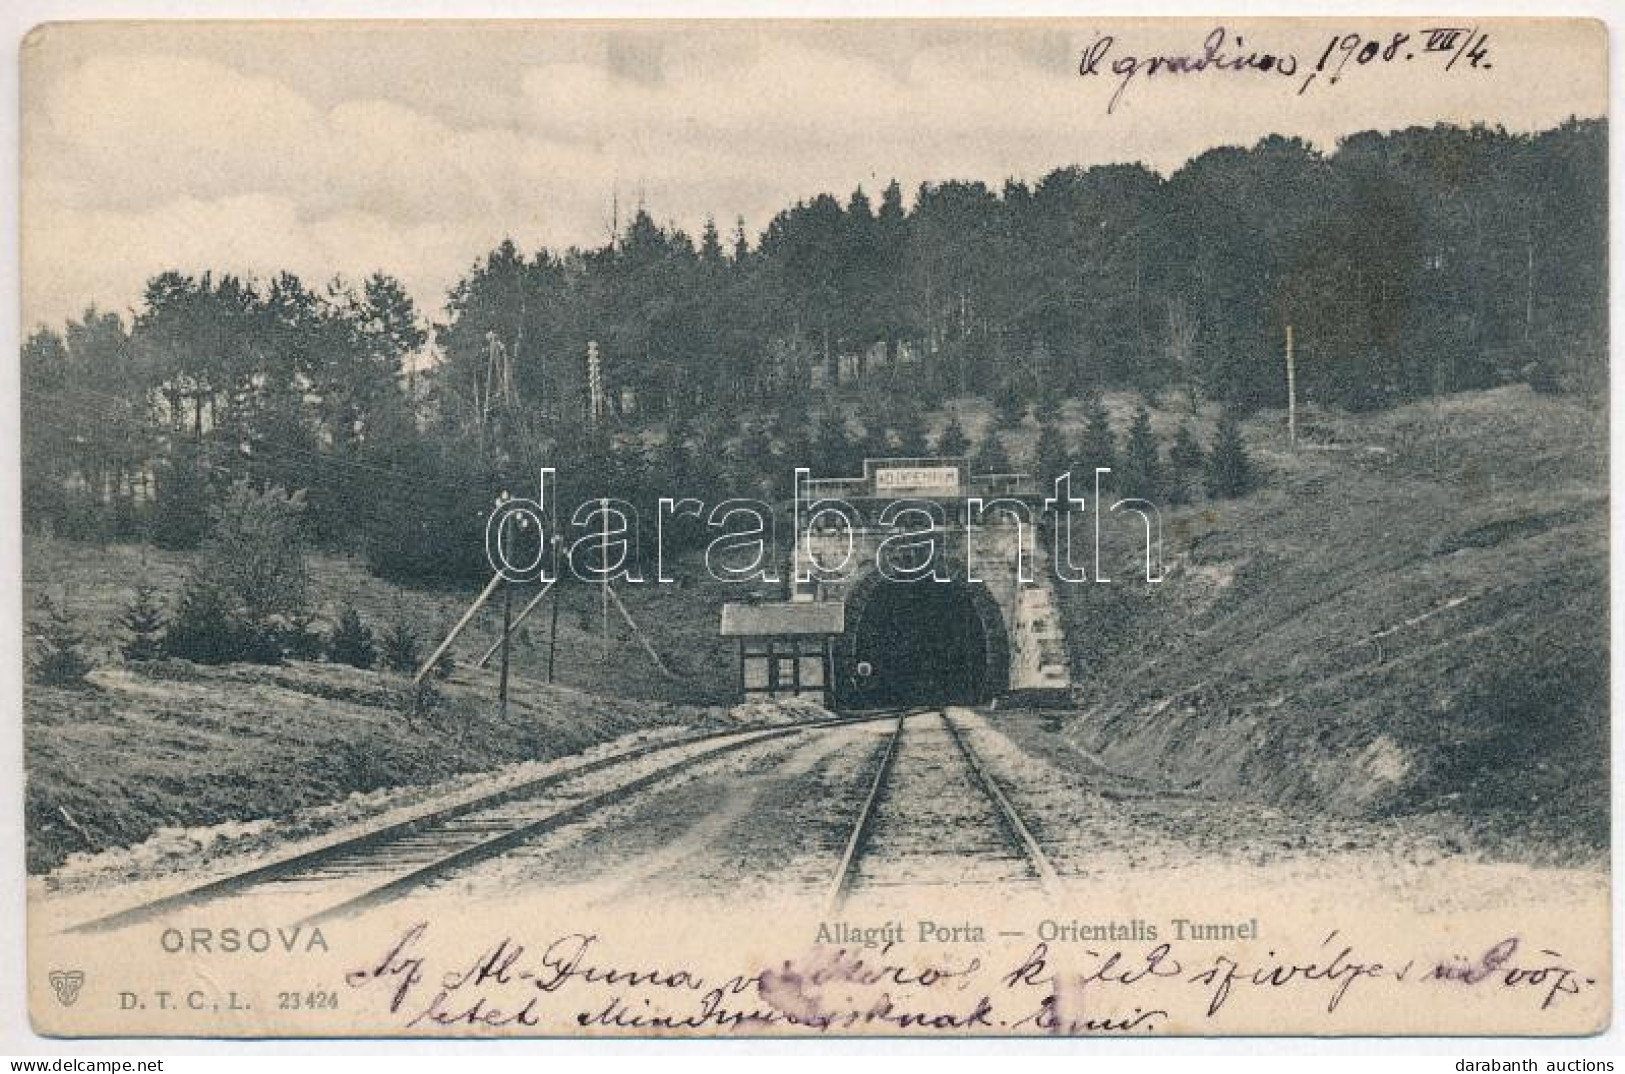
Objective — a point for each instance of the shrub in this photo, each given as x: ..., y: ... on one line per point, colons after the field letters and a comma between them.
x: 255, y: 552
x: 1142, y: 464
x: 143, y: 619
x: 1049, y: 455
x: 1230, y: 470
x: 204, y: 631
x: 57, y: 657
x: 991, y: 457
x: 1010, y: 405
x: 351, y: 641
x: 400, y: 648
x: 952, y: 440
x: 123, y: 521
x: 1098, y: 447
x: 300, y: 639
x: 1187, y: 460
x: 180, y: 509
x: 908, y: 430
x: 247, y: 583
x: 421, y: 702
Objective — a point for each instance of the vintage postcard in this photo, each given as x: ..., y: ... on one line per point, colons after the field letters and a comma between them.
x: 1010, y: 527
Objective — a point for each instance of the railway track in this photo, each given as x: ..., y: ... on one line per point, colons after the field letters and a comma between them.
x: 934, y: 814
x: 376, y: 867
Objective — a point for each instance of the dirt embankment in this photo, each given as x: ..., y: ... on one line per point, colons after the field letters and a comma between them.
x: 1411, y: 619
x: 179, y: 745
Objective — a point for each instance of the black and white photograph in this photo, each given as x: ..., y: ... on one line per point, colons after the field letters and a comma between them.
x: 816, y: 528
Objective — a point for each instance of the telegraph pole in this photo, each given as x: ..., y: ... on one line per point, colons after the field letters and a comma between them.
x: 1291, y: 393
x: 603, y: 583
x: 553, y: 637
x: 595, y: 384
x: 507, y: 628
x: 595, y: 414
x: 553, y: 627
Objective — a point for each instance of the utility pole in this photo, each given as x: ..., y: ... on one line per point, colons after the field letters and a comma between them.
x: 1291, y: 393
x: 603, y: 583
x: 553, y: 627
x: 595, y: 384
x: 507, y: 630
x: 553, y: 637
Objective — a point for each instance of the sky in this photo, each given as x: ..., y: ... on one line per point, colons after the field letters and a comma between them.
x: 411, y: 148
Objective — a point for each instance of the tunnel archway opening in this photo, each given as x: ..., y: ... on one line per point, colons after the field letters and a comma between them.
x: 922, y: 643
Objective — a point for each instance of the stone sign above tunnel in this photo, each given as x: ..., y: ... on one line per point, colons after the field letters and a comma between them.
x: 917, y: 480
x: 937, y: 478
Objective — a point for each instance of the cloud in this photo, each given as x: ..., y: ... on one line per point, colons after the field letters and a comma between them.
x: 255, y: 147
x: 252, y: 235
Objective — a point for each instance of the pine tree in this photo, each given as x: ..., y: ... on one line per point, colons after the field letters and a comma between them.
x: 57, y: 657
x: 1187, y: 461
x: 247, y: 581
x: 351, y: 641
x: 991, y: 457
x: 400, y: 648
x: 204, y: 631
x: 710, y: 244
x: 795, y: 449
x: 1230, y: 470
x: 1050, y: 457
x: 751, y: 461
x: 180, y: 509
x: 908, y: 430
x: 144, y: 619
x: 1098, y: 447
x: 672, y: 459
x: 301, y: 640
x: 952, y: 441
x: 1010, y: 405
x: 873, y: 444
x: 1142, y: 464
x: 832, y: 447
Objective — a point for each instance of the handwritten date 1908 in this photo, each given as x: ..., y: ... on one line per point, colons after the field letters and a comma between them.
x: 1222, y: 52
x: 1457, y: 42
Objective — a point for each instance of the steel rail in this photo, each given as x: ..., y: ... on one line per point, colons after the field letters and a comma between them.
x: 1048, y: 879
x: 846, y: 871
x: 312, y: 861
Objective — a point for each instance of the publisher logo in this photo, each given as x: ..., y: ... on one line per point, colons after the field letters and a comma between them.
x: 66, y: 985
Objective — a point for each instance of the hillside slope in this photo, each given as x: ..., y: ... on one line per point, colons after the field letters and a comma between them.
x: 1412, y: 618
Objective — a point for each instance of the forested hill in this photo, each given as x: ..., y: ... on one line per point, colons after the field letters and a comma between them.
x: 1427, y: 259
x: 1408, y: 264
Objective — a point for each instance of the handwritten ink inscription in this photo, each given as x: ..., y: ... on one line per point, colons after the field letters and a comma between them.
x: 573, y: 982
x: 1221, y: 53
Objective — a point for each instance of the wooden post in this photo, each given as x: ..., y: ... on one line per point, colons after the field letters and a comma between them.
x: 637, y: 633
x: 507, y: 632
x: 479, y: 601
x: 603, y: 585
x: 553, y: 637
x: 1291, y: 393
x: 520, y: 618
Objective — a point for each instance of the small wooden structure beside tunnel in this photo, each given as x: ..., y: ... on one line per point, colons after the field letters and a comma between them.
x: 785, y: 647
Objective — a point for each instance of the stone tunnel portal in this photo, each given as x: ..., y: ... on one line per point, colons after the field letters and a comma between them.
x: 921, y: 643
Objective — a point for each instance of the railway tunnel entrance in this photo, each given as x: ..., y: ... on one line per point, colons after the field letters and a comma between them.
x: 845, y: 634
x: 921, y: 643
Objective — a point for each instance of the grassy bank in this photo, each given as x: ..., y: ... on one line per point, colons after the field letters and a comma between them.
x: 180, y: 745
x: 1412, y: 618
x: 177, y: 744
